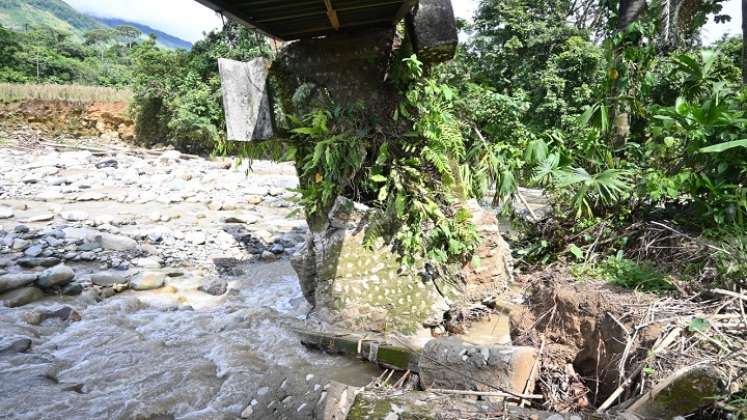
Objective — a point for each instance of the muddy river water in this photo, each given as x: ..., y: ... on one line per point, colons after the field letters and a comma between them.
x: 139, y: 355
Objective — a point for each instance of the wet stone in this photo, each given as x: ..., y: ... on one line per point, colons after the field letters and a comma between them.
x: 33, y: 251
x: 148, y: 281
x: 56, y: 276
x: 15, y: 281
x: 107, y: 279
x: 21, y: 297
x: 215, y: 287
x: 72, y: 289
x: 38, y: 262
x: 12, y: 345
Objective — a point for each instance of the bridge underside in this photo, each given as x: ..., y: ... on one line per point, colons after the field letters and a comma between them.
x: 297, y: 19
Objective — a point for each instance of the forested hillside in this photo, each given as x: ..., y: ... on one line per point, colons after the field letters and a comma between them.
x: 58, y: 16
x: 55, y: 14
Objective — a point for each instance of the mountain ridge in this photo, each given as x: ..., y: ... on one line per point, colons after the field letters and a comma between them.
x: 163, y: 38
x: 22, y: 15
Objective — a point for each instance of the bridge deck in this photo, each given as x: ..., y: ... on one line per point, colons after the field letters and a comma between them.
x: 295, y: 19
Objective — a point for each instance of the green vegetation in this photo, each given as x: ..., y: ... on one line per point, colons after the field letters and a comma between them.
x: 22, y: 15
x: 50, y: 56
x: 645, y: 126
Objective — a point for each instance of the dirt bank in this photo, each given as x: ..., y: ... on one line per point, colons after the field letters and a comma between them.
x: 53, y: 118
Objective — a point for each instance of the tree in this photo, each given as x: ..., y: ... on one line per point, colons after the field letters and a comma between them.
x: 128, y: 34
x: 630, y: 11
x: 744, y: 42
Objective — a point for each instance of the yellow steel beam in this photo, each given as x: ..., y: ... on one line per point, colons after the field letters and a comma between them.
x: 332, y: 15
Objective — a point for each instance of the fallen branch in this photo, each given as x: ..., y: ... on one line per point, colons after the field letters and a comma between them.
x: 730, y: 294
x: 532, y: 378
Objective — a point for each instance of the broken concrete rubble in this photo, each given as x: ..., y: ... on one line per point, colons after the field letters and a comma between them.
x: 452, y: 363
x: 682, y: 393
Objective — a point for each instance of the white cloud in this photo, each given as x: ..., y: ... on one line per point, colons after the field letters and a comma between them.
x: 185, y: 19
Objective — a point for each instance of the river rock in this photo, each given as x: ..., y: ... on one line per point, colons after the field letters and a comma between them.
x: 63, y: 313
x: 149, y: 263
x: 44, y: 217
x: 452, y: 363
x: 107, y: 279
x: 215, y: 287
x: 33, y: 251
x: 56, y: 276
x: 148, y: 281
x: 254, y: 199
x: 38, y: 262
x: 72, y: 289
x: 12, y: 345
x: 170, y: 156
x: 22, y: 296
x: 15, y: 281
x: 20, y: 244
x: 74, y: 215
x: 116, y: 242
x: 6, y: 213
x: 247, y: 219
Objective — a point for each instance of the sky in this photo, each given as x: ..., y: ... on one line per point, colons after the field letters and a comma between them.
x: 188, y: 19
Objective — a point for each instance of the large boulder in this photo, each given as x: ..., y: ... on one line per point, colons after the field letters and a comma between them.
x: 365, y: 287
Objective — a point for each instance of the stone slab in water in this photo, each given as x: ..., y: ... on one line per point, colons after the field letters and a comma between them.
x: 246, y: 99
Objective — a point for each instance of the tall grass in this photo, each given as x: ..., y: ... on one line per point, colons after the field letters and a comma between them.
x: 70, y: 93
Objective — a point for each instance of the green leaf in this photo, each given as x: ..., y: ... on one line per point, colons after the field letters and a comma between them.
x: 577, y: 252
x: 699, y: 325
x: 378, y: 179
x: 383, y: 193
x: 722, y: 147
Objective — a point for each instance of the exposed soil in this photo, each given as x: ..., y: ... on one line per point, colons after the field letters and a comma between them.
x: 583, y: 329
x: 107, y: 119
